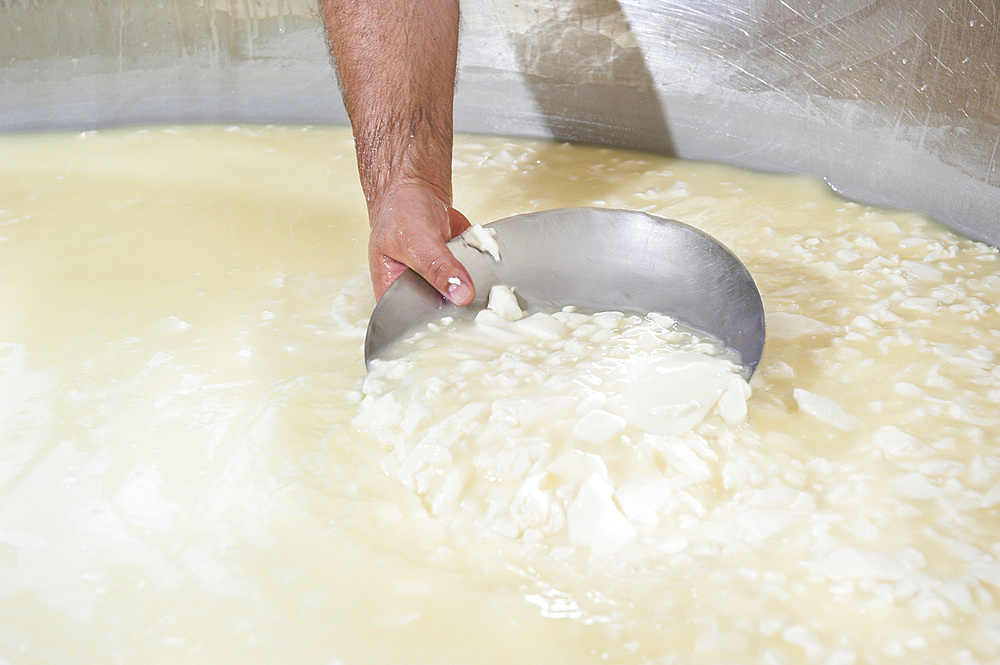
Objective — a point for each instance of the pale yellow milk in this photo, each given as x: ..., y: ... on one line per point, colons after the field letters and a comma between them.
x: 182, y: 312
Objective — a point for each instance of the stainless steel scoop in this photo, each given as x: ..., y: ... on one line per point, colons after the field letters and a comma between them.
x: 596, y: 259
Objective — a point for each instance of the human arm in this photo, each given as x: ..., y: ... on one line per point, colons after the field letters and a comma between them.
x: 396, y: 60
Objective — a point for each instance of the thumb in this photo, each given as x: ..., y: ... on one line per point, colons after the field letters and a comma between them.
x: 435, y: 263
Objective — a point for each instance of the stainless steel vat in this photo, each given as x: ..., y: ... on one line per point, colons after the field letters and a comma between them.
x: 894, y: 102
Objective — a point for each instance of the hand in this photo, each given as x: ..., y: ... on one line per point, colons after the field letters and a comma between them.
x: 409, y: 228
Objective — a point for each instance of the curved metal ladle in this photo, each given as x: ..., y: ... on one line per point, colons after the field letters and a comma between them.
x: 595, y: 259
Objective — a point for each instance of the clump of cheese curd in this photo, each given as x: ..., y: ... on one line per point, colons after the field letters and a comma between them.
x: 546, y: 426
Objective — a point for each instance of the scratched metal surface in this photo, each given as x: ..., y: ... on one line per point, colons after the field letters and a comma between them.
x: 892, y: 101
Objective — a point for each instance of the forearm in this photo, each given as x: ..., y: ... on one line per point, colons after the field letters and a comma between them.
x: 396, y: 60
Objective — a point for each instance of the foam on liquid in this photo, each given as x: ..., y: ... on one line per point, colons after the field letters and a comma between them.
x: 181, y: 318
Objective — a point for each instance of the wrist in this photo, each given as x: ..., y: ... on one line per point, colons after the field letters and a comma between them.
x: 396, y: 153
x: 395, y: 195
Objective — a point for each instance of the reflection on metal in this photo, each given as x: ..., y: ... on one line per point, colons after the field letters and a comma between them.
x: 892, y: 101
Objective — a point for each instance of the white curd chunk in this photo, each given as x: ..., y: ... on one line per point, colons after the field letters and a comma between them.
x: 670, y: 396
x: 598, y: 426
x: 503, y: 301
x: 484, y: 239
x: 195, y: 466
x: 786, y: 325
x: 825, y: 409
x: 595, y: 520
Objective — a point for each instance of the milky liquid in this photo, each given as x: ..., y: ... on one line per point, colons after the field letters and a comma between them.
x: 182, y: 313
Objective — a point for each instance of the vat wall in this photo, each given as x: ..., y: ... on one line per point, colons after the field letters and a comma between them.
x: 893, y: 102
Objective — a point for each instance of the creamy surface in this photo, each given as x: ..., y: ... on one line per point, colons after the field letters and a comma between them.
x: 182, y: 312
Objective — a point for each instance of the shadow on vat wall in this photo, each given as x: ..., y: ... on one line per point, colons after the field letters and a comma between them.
x: 573, y: 53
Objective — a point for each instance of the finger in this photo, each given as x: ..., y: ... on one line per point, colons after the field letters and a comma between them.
x: 384, y: 272
x: 432, y: 260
